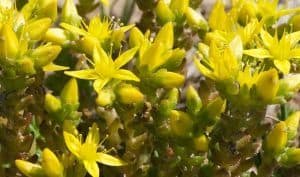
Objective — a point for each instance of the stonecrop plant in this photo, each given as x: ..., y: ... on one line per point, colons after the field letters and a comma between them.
x: 149, y: 88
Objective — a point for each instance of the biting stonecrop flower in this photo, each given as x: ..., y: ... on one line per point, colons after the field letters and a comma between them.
x: 106, y: 69
x: 98, y: 33
x: 87, y: 152
x: 280, y: 51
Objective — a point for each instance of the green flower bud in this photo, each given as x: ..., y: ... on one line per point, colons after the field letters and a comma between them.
x: 165, y: 36
x: 213, y: 111
x: 179, y: 6
x: 267, y: 85
x: 52, y: 104
x: 292, y: 123
x: 56, y: 35
x: 105, y: 97
x: 276, y: 139
x: 136, y: 37
x: 294, y: 21
x: 175, y: 60
x: 165, y: 79
x: 195, y: 19
x: 169, y: 102
x: 291, y: 157
x: 26, y: 66
x: 163, y: 12
x: 181, y: 123
x: 128, y: 94
x: 9, y: 44
x: 47, y: 8
x: 69, y: 94
x: 44, y: 55
x: 201, y: 143
x: 51, y: 164
x: 69, y: 13
x: 193, y: 101
x: 29, y: 169
x: 37, y: 29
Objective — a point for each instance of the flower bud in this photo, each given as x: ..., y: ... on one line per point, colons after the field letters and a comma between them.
x: 163, y: 12
x: 292, y: 123
x: 195, y: 19
x: 51, y: 164
x: 291, y: 157
x: 181, y: 123
x: 52, y: 104
x: 193, y: 101
x: 9, y: 44
x: 213, y: 110
x: 105, y: 97
x: 128, y: 94
x: 179, y: 6
x: 56, y: 35
x: 169, y: 102
x: 37, y: 29
x: 165, y: 36
x: 267, y: 85
x: 69, y: 94
x: 247, y: 12
x: 69, y: 13
x: 276, y: 139
x: 29, y: 169
x: 88, y: 44
x: 201, y: 143
x: 26, y: 66
x: 44, y: 55
x: 175, y: 60
x: 47, y: 8
x: 166, y: 79
x: 295, y: 22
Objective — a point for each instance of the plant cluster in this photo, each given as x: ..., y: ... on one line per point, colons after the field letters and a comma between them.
x: 65, y: 79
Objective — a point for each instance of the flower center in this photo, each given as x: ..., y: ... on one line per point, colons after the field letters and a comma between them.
x: 88, y: 151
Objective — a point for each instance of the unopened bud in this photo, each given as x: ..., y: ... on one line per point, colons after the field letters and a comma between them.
x: 195, y: 19
x: 181, y: 123
x: 166, y: 79
x: 69, y: 94
x: 37, y: 29
x: 276, y: 139
x: 267, y: 85
x: 56, y: 35
x: 291, y: 157
x: 179, y: 6
x: 193, y: 100
x: 169, y: 102
x: 26, y: 66
x: 29, y: 169
x: 292, y: 123
x: 105, y: 97
x: 51, y: 164
x: 163, y: 12
x: 136, y: 37
x: 9, y: 44
x: 47, y: 8
x: 44, y: 55
x: 69, y: 13
x: 201, y: 143
x: 52, y: 104
x: 129, y: 94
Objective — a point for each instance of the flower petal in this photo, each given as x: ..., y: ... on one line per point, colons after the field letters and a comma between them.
x: 124, y: 74
x: 92, y: 168
x: 266, y: 38
x: 74, y: 29
x: 99, y: 84
x: 258, y: 53
x: 53, y: 67
x: 109, y: 160
x: 73, y: 144
x: 295, y: 53
x: 88, y: 74
x: 93, y: 135
x: 283, y: 65
x: 125, y: 57
x: 203, y: 70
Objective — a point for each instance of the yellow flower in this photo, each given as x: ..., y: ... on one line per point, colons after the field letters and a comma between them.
x: 280, y: 51
x: 87, y: 152
x: 96, y: 33
x: 106, y: 69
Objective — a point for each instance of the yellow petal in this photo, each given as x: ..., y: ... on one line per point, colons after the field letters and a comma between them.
x: 72, y: 143
x: 266, y: 38
x: 109, y: 160
x: 295, y: 53
x: 92, y: 168
x: 283, y: 66
x: 93, y: 135
x: 258, y: 53
x: 99, y: 84
x: 74, y: 29
x: 88, y: 74
x: 236, y: 46
x: 165, y: 36
x: 125, y: 57
x: 53, y: 67
x: 203, y: 70
x: 124, y: 74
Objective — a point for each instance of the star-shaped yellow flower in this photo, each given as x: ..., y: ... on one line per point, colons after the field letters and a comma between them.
x: 87, y: 152
x: 106, y: 69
